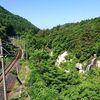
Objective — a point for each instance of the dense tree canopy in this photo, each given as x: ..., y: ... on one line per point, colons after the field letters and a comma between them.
x: 15, y: 24
x: 48, y: 81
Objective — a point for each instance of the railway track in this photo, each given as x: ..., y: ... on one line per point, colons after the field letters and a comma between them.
x: 10, y: 78
x: 12, y: 63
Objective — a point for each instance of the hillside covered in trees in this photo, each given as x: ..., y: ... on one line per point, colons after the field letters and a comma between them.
x: 49, y: 80
x: 12, y: 26
x: 82, y: 39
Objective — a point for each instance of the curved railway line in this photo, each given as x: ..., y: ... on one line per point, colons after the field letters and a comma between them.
x: 12, y: 63
x: 10, y: 78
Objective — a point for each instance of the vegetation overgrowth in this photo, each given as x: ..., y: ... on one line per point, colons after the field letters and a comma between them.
x: 50, y: 82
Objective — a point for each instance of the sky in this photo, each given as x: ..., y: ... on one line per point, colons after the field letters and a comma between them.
x: 49, y: 13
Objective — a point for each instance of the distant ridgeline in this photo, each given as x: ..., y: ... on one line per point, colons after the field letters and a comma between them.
x: 68, y: 45
x: 81, y: 38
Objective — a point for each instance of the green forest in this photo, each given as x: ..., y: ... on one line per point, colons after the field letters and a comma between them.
x: 49, y: 79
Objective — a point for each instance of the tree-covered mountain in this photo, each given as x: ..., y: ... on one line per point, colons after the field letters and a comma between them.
x: 48, y: 80
x: 64, y: 82
x: 14, y: 24
x: 82, y: 38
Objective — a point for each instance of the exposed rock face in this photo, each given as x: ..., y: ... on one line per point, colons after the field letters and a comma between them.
x: 79, y: 66
x: 23, y: 54
x: 51, y: 54
x: 66, y: 71
x: 93, y: 63
x: 81, y: 71
x: 98, y: 63
x: 61, y: 58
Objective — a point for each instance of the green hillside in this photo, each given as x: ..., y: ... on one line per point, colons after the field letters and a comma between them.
x: 47, y: 78
x: 51, y: 82
x: 82, y: 39
x: 47, y: 81
x: 14, y: 24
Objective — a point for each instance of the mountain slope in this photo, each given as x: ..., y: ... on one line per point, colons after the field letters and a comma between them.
x: 46, y: 80
x: 15, y: 24
x: 82, y: 39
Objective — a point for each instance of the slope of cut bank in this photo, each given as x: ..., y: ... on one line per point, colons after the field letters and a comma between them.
x: 20, y: 90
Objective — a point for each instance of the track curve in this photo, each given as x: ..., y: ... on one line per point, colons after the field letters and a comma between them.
x: 10, y: 78
x: 12, y: 63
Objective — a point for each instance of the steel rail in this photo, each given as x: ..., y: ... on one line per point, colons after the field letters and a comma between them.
x: 12, y: 63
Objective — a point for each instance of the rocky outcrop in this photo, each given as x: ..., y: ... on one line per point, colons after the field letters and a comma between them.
x: 98, y: 63
x: 93, y: 63
x: 79, y: 67
x: 66, y: 71
x: 61, y: 58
